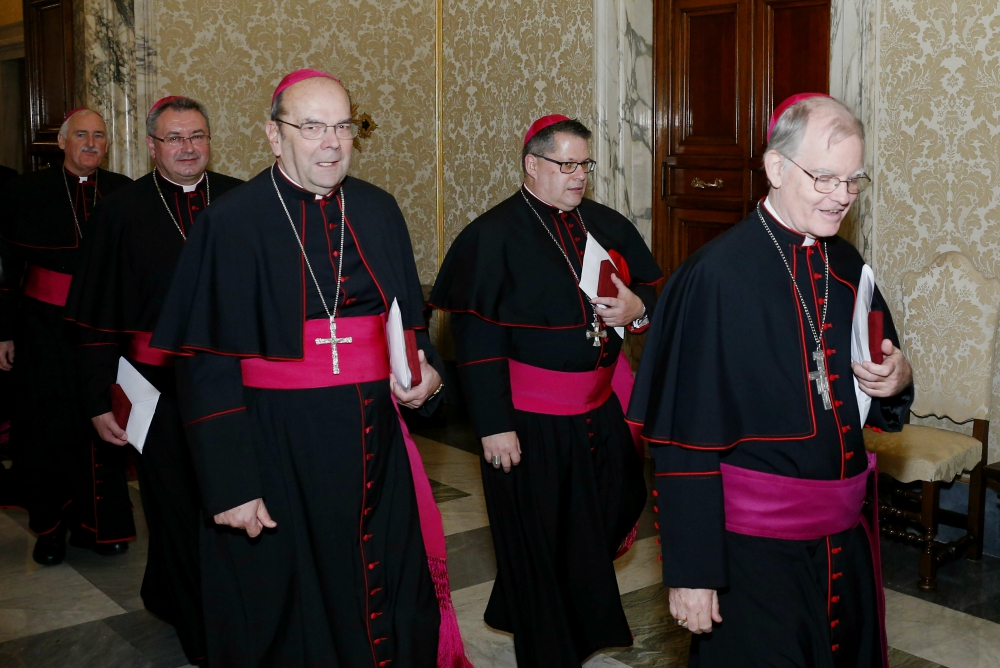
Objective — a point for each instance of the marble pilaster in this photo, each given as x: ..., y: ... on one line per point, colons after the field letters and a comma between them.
x: 623, y: 109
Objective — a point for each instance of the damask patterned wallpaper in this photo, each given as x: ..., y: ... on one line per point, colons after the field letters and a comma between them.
x: 504, y: 63
x: 938, y: 143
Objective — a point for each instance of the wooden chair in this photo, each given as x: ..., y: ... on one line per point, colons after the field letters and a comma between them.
x: 950, y: 313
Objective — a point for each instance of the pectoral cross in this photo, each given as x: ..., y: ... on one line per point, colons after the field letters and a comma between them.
x: 333, y: 341
x: 597, y: 334
x: 820, y: 378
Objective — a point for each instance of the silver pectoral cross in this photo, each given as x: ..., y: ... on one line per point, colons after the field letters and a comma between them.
x: 597, y: 334
x: 820, y: 378
x: 333, y: 341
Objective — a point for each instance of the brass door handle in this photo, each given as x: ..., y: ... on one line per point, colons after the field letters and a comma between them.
x: 702, y: 185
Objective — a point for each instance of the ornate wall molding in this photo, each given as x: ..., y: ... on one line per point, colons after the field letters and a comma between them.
x: 12, y: 41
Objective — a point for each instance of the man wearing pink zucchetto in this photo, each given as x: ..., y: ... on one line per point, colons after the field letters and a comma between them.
x: 326, y: 547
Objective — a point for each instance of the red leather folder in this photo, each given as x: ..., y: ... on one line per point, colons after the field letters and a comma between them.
x: 121, y: 407
x: 875, y: 335
x: 605, y: 286
x: 412, y: 360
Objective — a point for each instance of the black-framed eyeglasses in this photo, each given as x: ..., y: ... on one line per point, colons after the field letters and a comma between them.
x: 347, y: 130
x: 176, y: 141
x: 570, y: 167
x: 827, y: 183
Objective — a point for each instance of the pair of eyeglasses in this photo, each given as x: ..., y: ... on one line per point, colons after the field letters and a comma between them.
x: 827, y: 183
x: 570, y: 167
x: 176, y: 141
x: 317, y: 130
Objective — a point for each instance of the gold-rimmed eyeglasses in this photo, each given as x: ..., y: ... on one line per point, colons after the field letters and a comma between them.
x: 827, y: 183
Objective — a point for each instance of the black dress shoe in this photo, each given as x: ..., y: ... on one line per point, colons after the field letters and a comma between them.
x: 87, y: 540
x: 50, y: 548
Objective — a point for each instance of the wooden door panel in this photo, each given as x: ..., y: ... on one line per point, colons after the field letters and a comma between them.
x: 48, y: 44
x: 705, y: 182
x: 693, y: 228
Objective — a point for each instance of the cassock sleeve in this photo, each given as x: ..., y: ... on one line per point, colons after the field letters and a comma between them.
x: 889, y: 413
x: 98, y: 356
x: 647, y: 293
x: 434, y: 359
x: 210, y: 389
x: 11, y: 270
x: 692, y: 522
x: 481, y: 350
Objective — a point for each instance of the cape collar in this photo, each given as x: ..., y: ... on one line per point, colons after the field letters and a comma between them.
x: 797, y: 238
x: 177, y: 187
x: 291, y: 187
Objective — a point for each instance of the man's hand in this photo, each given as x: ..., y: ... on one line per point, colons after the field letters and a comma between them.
x: 621, y: 310
x: 697, y: 607
x: 109, y: 430
x: 6, y: 355
x: 251, y: 516
x: 430, y: 381
x: 886, y: 379
x: 506, y: 446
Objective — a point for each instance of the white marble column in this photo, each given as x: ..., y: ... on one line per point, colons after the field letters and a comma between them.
x: 623, y: 109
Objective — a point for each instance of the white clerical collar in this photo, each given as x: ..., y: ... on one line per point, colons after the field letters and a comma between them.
x: 806, y: 241
x: 188, y: 189
x: 540, y: 199
x: 298, y: 185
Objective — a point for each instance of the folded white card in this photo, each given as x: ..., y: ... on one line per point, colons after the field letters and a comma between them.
x: 590, y: 276
x: 859, y: 335
x: 143, y: 397
x: 397, y: 347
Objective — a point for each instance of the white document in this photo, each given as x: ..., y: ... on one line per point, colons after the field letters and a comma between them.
x: 143, y: 397
x: 590, y: 277
x: 859, y: 335
x: 397, y: 347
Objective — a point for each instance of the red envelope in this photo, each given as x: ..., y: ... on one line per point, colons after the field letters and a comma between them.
x: 605, y: 286
x: 875, y: 335
x: 121, y: 407
x: 412, y: 359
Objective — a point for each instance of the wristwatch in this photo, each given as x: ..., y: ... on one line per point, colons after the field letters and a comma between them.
x: 641, y: 322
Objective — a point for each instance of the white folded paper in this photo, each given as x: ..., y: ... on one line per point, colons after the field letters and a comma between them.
x: 397, y: 347
x: 859, y: 335
x: 143, y: 397
x: 590, y: 277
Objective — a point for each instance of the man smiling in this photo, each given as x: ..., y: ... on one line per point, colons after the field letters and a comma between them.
x: 747, y: 394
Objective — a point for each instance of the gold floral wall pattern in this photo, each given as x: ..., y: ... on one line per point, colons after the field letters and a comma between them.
x: 231, y: 54
x: 938, y: 142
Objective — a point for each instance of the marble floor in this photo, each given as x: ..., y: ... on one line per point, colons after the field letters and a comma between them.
x: 87, y: 612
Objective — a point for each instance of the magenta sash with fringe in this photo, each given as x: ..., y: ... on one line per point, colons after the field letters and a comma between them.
x: 366, y: 359
x: 537, y: 390
x: 774, y: 506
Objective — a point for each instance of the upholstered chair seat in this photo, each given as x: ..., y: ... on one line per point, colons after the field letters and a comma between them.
x: 924, y: 453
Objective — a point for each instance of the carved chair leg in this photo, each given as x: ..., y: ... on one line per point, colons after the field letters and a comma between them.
x: 977, y: 493
x: 931, y: 495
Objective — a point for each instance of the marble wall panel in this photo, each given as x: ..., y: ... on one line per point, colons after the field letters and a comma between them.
x: 506, y: 63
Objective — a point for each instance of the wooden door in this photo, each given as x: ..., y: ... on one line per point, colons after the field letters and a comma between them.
x: 720, y: 67
x: 48, y: 53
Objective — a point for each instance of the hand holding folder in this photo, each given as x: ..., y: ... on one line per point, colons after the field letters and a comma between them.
x: 403, y: 358
x: 133, y: 403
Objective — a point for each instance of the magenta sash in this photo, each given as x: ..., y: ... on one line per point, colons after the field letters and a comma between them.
x: 47, y: 286
x: 537, y: 390
x: 139, y: 351
x: 366, y: 359
x: 774, y: 506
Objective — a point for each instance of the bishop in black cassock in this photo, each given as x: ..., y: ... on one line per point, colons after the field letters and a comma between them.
x: 316, y: 558
x: 566, y: 492
x: 117, y: 294
x: 69, y: 477
x: 746, y: 393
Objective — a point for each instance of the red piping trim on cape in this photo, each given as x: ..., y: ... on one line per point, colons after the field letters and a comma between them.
x: 215, y: 415
x: 692, y: 473
x: 491, y: 359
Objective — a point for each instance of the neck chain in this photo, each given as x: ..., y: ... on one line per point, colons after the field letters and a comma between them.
x: 72, y: 205
x: 208, y: 201
x: 333, y: 340
x: 820, y: 375
x: 597, y: 333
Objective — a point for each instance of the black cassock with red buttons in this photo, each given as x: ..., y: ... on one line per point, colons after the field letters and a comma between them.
x: 343, y: 580
x: 725, y: 379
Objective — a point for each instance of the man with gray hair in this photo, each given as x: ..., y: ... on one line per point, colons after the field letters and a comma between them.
x: 117, y: 294
x: 754, y: 411
x: 70, y: 479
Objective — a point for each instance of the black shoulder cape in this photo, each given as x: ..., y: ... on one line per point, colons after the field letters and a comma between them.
x: 499, y: 267
x: 725, y: 347
x: 129, y: 258
x: 239, y: 284
x: 39, y: 213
